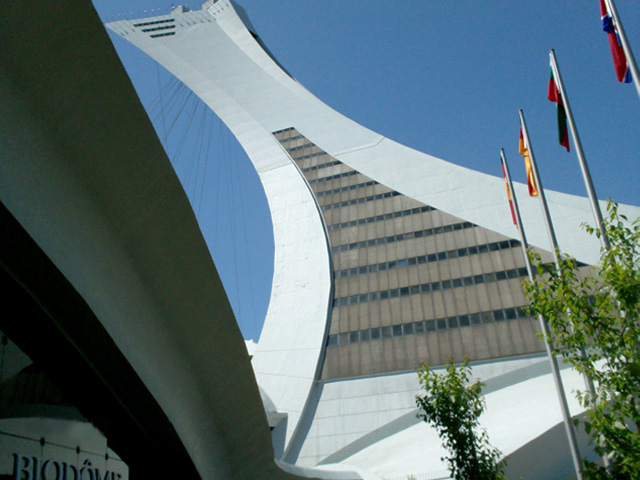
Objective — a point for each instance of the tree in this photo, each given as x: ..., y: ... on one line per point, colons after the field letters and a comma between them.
x: 599, y: 313
x: 453, y: 405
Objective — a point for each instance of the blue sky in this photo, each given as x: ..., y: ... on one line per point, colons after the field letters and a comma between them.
x: 446, y: 78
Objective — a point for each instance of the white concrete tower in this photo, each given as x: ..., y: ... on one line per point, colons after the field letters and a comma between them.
x: 385, y: 257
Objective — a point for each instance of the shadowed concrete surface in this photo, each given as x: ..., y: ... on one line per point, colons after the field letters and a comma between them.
x: 119, y: 300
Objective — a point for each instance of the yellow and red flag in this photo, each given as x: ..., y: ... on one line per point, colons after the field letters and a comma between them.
x: 524, y: 151
x: 506, y: 184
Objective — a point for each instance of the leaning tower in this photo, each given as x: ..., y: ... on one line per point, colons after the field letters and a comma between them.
x: 385, y: 258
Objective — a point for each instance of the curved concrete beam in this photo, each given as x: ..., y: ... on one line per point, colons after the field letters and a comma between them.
x: 84, y: 174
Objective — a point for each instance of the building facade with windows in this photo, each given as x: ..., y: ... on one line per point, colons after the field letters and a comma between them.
x: 385, y: 258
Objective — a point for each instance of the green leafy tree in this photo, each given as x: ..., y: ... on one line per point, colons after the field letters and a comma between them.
x: 453, y: 405
x: 599, y: 313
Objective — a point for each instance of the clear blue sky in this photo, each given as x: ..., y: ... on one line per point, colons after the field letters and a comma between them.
x: 446, y: 78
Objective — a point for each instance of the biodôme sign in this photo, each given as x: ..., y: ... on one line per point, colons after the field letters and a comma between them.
x: 33, y: 468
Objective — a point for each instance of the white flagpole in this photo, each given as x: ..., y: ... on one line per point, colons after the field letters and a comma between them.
x: 552, y: 234
x: 626, y: 47
x: 549, y: 224
x: 555, y: 370
x: 591, y: 191
x: 543, y: 199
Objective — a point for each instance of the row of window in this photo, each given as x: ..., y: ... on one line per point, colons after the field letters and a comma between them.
x: 322, y: 165
x: 347, y: 188
x: 430, y: 287
x: 426, y: 326
x: 311, y: 155
x: 156, y: 35
x: 402, y: 236
x: 300, y: 147
x: 432, y: 257
x: 161, y: 27
x: 154, y: 22
x: 379, y: 218
x: 290, y: 139
x: 333, y: 177
x: 355, y: 201
x: 288, y: 129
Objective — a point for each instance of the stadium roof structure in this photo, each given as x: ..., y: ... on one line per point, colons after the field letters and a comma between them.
x: 385, y: 257
x: 338, y: 333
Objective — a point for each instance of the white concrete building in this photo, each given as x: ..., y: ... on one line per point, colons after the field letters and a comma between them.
x: 385, y: 257
x: 119, y: 346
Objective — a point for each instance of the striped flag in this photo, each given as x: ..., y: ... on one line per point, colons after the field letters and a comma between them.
x: 554, y: 95
x: 531, y: 182
x: 506, y: 184
x: 619, y: 58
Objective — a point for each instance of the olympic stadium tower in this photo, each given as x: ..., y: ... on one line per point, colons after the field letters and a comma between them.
x: 385, y: 258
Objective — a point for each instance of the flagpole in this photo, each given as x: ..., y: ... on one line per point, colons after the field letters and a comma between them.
x: 595, y: 206
x: 626, y: 47
x: 552, y: 236
x: 548, y: 222
x: 541, y: 195
x: 555, y: 370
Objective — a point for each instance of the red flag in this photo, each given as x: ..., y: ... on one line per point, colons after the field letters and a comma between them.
x: 623, y: 72
x: 554, y: 95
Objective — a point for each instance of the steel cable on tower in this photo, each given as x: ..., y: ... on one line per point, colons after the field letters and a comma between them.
x: 199, y: 147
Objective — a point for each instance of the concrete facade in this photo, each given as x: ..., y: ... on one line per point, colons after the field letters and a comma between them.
x: 109, y: 289
x: 377, y: 269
